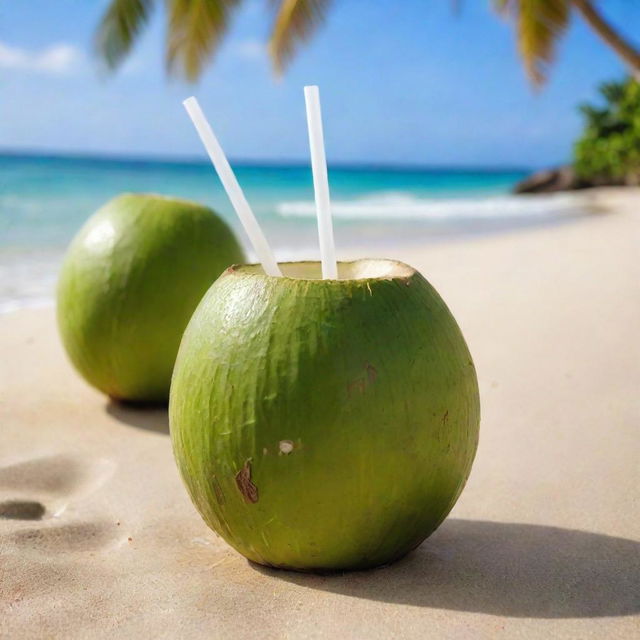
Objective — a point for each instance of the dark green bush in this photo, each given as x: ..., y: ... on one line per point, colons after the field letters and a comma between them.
x: 609, y: 150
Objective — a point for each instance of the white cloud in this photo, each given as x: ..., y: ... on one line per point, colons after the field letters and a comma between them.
x: 56, y: 59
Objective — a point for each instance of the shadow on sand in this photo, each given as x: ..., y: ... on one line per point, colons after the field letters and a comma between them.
x: 505, y: 569
x: 150, y: 417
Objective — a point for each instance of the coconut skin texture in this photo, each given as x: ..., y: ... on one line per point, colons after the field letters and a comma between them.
x: 324, y: 425
x: 129, y: 283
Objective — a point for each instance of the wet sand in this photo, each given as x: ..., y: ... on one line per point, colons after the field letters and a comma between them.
x: 99, y: 539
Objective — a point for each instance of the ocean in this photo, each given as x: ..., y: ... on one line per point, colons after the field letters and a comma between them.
x: 44, y: 201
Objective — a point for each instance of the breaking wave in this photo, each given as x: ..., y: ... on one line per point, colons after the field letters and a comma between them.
x: 403, y: 206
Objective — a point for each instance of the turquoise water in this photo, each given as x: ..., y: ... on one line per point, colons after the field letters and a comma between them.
x: 44, y: 200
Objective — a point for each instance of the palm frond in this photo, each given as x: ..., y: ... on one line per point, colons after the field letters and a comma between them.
x: 196, y: 28
x: 539, y: 24
x: 295, y: 22
x: 119, y: 27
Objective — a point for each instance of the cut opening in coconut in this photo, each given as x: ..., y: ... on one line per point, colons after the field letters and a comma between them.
x: 366, y: 269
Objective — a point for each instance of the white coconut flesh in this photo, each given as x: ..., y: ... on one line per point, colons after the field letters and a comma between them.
x: 365, y: 269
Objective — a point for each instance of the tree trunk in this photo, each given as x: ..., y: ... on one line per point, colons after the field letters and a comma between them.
x: 622, y: 47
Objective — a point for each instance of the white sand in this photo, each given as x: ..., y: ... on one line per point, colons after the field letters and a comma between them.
x: 542, y: 544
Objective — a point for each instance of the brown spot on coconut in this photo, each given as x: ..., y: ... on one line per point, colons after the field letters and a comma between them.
x: 248, y: 490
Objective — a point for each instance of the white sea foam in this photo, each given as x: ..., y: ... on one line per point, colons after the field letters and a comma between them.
x: 403, y: 206
x: 27, y: 279
x: 28, y: 275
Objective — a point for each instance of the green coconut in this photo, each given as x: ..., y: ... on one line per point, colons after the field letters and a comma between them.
x: 324, y: 424
x: 129, y: 283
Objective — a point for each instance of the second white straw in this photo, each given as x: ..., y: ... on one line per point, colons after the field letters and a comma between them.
x: 231, y: 186
x: 320, y: 183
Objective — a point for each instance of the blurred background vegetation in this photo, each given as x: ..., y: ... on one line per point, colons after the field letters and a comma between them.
x: 608, y: 151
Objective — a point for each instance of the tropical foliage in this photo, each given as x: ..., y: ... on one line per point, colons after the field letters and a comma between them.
x: 195, y: 29
x: 540, y: 24
x: 609, y: 150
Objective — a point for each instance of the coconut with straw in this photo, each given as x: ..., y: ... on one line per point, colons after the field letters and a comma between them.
x: 323, y: 416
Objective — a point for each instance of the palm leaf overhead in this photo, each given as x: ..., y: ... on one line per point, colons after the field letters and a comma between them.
x: 119, y: 27
x: 626, y: 50
x: 295, y: 22
x: 539, y: 24
x: 196, y: 28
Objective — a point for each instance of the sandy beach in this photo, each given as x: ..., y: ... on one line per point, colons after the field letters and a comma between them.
x: 98, y: 537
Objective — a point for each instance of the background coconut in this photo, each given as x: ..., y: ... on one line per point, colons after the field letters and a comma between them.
x: 129, y: 283
x: 324, y: 424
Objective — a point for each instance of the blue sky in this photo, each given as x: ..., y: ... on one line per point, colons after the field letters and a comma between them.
x: 401, y: 82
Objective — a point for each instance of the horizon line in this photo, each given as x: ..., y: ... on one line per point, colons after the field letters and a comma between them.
x: 107, y: 157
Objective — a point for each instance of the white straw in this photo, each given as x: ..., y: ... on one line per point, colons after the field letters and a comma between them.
x: 320, y: 183
x: 231, y: 186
